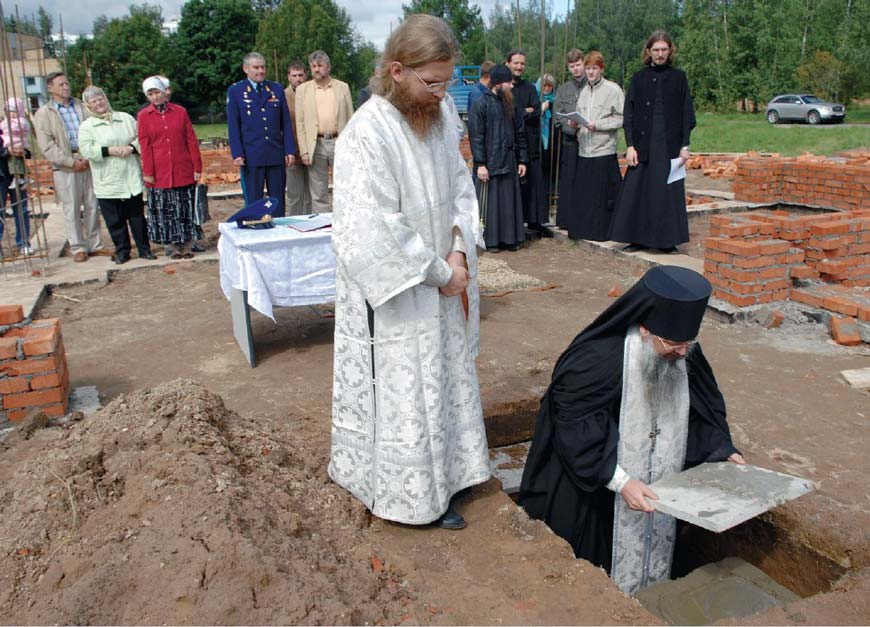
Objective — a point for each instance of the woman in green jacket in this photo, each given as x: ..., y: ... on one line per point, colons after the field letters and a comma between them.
x: 108, y: 139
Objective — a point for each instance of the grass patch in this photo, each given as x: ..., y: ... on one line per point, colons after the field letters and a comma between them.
x: 207, y: 131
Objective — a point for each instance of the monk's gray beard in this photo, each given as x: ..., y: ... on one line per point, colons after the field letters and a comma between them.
x: 662, y: 378
x: 422, y: 117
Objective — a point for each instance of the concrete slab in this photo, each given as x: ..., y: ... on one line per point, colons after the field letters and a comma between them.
x: 27, y: 283
x: 858, y: 379
x: 724, y: 590
x: 722, y: 495
x: 85, y: 399
x: 506, y: 464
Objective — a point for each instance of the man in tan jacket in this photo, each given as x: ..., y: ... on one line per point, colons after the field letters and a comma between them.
x: 298, y: 194
x: 57, y: 132
x: 323, y: 108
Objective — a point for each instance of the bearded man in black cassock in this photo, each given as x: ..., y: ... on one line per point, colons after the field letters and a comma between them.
x: 527, y: 103
x: 632, y: 400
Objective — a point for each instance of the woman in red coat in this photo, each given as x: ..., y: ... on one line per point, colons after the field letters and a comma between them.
x: 171, y: 166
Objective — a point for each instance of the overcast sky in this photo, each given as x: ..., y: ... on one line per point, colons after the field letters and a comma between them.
x: 371, y: 18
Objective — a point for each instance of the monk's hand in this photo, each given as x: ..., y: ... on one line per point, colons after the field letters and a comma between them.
x: 521, y: 170
x: 631, y: 156
x: 458, y: 282
x: 635, y: 494
x: 737, y: 458
x: 456, y: 259
x: 483, y: 173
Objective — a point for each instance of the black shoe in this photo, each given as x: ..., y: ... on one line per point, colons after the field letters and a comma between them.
x: 450, y: 520
x: 633, y: 248
x: 122, y: 259
x: 196, y: 248
x: 514, y: 247
x: 492, y: 249
x: 670, y: 251
x: 545, y: 232
x: 147, y: 255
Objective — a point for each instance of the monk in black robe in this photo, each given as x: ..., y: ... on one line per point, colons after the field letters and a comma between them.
x: 632, y: 400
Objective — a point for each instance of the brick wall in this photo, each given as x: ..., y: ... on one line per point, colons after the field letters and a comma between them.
x: 33, y: 370
x: 843, y: 184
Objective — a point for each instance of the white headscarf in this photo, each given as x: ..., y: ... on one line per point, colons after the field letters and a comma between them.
x: 153, y: 82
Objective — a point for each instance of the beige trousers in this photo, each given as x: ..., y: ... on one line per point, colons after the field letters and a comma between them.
x: 298, y: 194
x: 318, y: 174
x: 74, y: 191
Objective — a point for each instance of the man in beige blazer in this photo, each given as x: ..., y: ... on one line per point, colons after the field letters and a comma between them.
x: 323, y: 108
x: 298, y: 195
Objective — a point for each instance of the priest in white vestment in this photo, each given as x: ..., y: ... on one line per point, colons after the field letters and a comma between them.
x: 407, y: 424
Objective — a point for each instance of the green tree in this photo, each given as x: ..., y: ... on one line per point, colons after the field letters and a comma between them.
x: 299, y: 27
x: 465, y: 21
x: 126, y: 51
x: 44, y: 25
x: 820, y: 74
x: 207, y: 61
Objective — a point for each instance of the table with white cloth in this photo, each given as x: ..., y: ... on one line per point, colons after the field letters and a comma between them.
x: 263, y: 268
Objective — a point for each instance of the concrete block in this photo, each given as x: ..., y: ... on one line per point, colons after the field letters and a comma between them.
x: 85, y: 399
x: 858, y: 379
x: 722, y: 495
x: 506, y: 464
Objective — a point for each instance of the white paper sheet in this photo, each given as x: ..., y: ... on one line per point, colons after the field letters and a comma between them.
x: 574, y: 117
x: 678, y: 171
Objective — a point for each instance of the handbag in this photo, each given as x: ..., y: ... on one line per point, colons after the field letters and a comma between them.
x: 200, y: 205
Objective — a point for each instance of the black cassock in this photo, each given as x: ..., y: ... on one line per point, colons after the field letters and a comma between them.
x: 574, y: 449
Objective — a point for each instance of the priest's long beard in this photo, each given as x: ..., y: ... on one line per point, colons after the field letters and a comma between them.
x: 423, y: 117
x: 662, y: 378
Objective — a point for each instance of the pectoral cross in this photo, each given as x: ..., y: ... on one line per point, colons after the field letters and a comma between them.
x: 653, y: 435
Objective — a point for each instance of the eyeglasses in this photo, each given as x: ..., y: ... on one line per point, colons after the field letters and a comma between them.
x: 672, y: 346
x: 433, y: 87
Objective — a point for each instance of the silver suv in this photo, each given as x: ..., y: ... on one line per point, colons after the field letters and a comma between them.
x: 805, y: 108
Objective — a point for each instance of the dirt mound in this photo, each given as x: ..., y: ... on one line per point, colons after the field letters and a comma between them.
x: 164, y: 507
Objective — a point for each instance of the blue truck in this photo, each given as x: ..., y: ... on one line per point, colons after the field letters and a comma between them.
x: 468, y: 75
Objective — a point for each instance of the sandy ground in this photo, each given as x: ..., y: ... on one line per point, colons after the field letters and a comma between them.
x: 254, y: 532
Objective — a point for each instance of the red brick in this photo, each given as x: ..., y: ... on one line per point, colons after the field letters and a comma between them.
x: 718, y: 257
x: 774, y: 247
x: 864, y: 312
x: 55, y: 409
x: 13, y: 385
x: 803, y: 272
x: 11, y: 314
x: 738, y: 247
x: 743, y: 229
x: 793, y: 235
x: 840, y: 305
x: 832, y: 267
x: 776, y: 272
x: 50, y: 380
x: 745, y: 288
x: 28, y: 399
x: 736, y: 274
x: 835, y: 227
x: 42, y: 341
x: 769, y: 297
x: 719, y: 281
x: 807, y: 298
x: 756, y: 262
x: 825, y: 243
x: 712, y: 243
x: 711, y: 266
x: 8, y: 347
x: 774, y: 320
x: 734, y: 299
x: 780, y: 284
x: 33, y: 365
x: 845, y: 331
x: 796, y: 256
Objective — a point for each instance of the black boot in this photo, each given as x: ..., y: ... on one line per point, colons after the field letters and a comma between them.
x: 451, y: 519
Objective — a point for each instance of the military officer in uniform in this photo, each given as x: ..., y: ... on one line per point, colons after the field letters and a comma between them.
x: 261, y: 132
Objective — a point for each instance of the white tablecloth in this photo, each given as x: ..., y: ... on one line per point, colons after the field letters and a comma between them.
x: 280, y: 266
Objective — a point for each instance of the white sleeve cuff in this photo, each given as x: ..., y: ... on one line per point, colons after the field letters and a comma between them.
x: 620, y: 478
x: 458, y: 241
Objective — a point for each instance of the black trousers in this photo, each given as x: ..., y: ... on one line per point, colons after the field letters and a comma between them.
x: 118, y: 213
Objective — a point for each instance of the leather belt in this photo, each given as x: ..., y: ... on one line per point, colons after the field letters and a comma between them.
x: 327, y: 135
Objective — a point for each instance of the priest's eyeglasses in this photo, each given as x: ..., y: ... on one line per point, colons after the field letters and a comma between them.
x: 433, y: 88
x: 673, y: 346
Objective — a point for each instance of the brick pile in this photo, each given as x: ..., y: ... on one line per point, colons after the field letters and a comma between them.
x: 33, y: 370
x: 758, y: 257
x: 807, y: 180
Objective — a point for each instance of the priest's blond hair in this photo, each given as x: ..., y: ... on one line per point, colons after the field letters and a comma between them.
x: 419, y: 40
